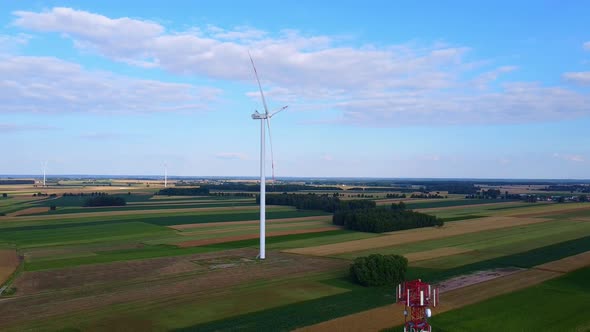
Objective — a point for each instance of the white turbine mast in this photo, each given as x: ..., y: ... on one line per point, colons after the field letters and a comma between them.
x: 263, y: 117
x: 165, y: 175
x: 44, y: 166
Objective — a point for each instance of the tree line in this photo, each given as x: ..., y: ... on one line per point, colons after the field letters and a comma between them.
x: 200, y: 191
x: 383, y: 219
x: 324, y: 202
x: 104, y: 200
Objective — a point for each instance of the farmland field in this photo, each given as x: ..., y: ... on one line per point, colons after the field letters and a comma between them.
x: 189, y: 262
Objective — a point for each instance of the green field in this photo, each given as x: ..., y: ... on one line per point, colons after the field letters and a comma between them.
x: 556, y: 305
x: 61, y: 243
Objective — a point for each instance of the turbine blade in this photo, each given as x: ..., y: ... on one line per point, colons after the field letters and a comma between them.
x: 278, y: 111
x: 272, y: 158
x: 259, y: 85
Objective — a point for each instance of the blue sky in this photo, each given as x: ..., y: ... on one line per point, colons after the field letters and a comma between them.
x: 374, y: 88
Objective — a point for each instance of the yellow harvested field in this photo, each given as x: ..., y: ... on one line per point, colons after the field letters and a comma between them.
x: 435, y: 253
x: 418, y: 234
x: 249, y: 222
x: 8, y: 263
x: 567, y: 264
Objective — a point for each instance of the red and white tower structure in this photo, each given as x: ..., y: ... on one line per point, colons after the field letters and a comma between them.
x: 418, y: 297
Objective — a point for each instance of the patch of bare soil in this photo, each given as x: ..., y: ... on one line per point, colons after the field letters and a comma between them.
x: 8, y: 263
x: 475, y: 278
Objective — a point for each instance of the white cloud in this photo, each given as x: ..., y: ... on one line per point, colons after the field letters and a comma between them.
x: 231, y: 155
x: 581, y: 77
x: 587, y: 46
x: 570, y: 157
x: 393, y: 85
x: 44, y: 84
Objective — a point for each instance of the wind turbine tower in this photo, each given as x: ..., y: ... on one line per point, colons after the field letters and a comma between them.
x: 264, y: 121
x: 165, y: 175
x: 44, y: 172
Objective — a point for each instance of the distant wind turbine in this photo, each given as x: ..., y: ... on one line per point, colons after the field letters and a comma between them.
x: 262, y: 117
x: 165, y: 175
x: 44, y: 165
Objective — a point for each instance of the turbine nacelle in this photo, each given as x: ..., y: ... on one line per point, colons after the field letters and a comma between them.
x: 259, y: 116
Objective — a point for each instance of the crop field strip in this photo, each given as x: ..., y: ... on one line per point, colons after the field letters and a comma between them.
x: 498, y: 242
x: 101, y: 256
x: 414, y: 235
x: 145, y: 207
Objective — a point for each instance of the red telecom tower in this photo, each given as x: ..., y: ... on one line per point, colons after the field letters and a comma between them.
x: 418, y: 297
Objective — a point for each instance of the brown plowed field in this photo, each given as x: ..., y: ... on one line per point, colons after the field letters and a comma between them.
x: 196, y: 243
x: 44, y: 294
x: 418, y: 234
x: 8, y: 263
x: 248, y: 222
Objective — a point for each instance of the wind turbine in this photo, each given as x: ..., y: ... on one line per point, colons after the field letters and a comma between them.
x: 44, y: 165
x: 263, y: 117
x: 165, y: 175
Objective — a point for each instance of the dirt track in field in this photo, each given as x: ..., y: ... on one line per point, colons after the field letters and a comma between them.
x: 249, y: 222
x: 45, y: 294
x: 392, y: 315
x: 196, y: 243
x: 418, y: 234
x: 8, y: 263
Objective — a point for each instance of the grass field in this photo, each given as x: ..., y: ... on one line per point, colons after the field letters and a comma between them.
x: 558, y: 305
x: 126, y: 268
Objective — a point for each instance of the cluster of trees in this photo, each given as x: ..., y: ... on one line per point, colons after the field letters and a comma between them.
x: 571, y: 188
x: 360, y: 195
x: 104, y: 200
x: 379, y: 270
x: 40, y: 194
x: 4, y: 195
x: 233, y: 194
x: 15, y: 181
x: 427, y: 195
x: 85, y: 194
x: 452, y: 187
x: 200, y: 191
x: 383, y: 219
x: 312, y: 201
x: 395, y: 196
